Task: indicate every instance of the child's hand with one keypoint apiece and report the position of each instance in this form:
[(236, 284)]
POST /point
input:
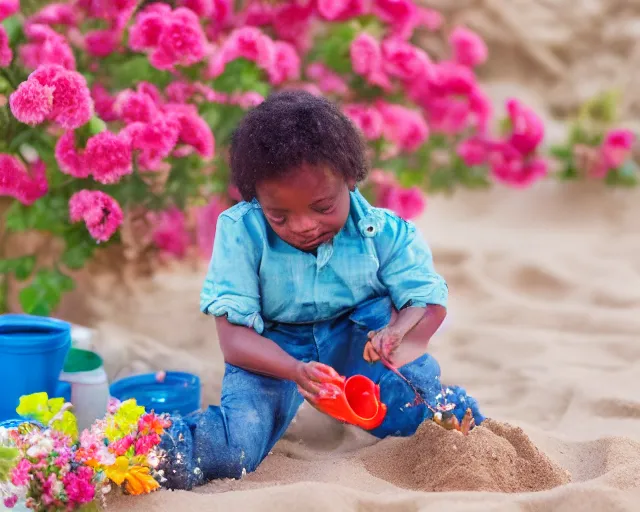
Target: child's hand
[(310, 378), (382, 344)]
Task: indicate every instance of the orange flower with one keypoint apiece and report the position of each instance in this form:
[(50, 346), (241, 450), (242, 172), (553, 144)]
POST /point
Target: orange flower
[(137, 479)]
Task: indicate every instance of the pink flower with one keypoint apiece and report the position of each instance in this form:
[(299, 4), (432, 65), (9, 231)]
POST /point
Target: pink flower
[(247, 42), (146, 443), (366, 60), (473, 151), (100, 212), (202, 8), (153, 141), (72, 103), (170, 234), (402, 15), (246, 100), (285, 65), (340, 10), (151, 423), (46, 47), (509, 166), (11, 501), (8, 8), (328, 81), (292, 22), (206, 219), (404, 60), (78, 485), (120, 446), (25, 186), (366, 118), (104, 103), (527, 129), (194, 131), (32, 102), (617, 147), (145, 33), (100, 43), (20, 473), (451, 99), (468, 47), (181, 41), (429, 18), (406, 203), (111, 10), (135, 106), (70, 160), (108, 157), (6, 55), (221, 19), (406, 128), (56, 14), (257, 14)]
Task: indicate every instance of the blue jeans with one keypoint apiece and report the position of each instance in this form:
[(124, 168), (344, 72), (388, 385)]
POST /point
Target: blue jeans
[(228, 440)]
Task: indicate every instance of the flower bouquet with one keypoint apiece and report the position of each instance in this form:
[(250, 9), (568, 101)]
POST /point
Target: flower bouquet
[(45, 461)]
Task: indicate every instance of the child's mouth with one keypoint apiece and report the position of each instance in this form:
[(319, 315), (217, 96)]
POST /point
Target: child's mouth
[(316, 242)]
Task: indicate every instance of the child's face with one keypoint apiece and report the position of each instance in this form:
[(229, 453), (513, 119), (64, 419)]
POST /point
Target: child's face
[(307, 207)]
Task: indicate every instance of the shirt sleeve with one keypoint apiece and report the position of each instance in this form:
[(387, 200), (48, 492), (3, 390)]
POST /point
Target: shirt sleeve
[(231, 287), (406, 266)]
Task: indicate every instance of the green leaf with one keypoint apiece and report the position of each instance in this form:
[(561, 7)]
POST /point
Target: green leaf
[(75, 257), (43, 295), (13, 27), (41, 408), (131, 69), (625, 176), (561, 152), (96, 125), (34, 301), (242, 75), (8, 460), (22, 267), (333, 48)]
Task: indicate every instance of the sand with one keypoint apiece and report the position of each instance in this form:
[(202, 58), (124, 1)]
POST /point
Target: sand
[(543, 329)]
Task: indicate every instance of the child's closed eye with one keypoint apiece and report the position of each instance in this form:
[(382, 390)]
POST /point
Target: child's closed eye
[(324, 208)]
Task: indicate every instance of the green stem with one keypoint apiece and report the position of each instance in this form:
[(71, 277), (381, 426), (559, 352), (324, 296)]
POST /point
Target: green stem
[(7, 76)]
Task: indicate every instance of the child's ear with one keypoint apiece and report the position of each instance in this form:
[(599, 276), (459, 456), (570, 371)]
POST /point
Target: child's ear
[(351, 183)]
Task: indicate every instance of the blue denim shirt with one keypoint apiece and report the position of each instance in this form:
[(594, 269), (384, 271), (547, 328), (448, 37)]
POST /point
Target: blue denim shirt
[(254, 276)]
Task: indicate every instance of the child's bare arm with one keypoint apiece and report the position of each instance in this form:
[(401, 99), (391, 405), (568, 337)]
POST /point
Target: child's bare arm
[(245, 348), (387, 340)]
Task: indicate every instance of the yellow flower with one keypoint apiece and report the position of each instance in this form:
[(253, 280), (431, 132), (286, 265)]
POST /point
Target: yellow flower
[(136, 479)]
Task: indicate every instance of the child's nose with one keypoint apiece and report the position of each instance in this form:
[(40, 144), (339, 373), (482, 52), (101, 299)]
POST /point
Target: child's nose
[(302, 225)]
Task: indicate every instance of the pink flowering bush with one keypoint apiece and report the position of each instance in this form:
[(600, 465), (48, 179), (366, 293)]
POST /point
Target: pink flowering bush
[(116, 111)]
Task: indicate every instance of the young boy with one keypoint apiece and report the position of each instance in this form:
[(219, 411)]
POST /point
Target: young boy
[(305, 273)]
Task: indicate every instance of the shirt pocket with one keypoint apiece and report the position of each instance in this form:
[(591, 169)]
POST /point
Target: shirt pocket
[(357, 265)]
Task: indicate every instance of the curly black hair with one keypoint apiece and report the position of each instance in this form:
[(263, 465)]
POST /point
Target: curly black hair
[(290, 129)]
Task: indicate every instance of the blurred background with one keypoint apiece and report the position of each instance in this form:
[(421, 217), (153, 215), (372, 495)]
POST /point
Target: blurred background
[(504, 129)]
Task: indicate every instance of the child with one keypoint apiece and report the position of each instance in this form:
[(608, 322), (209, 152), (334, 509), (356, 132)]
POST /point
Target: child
[(305, 273)]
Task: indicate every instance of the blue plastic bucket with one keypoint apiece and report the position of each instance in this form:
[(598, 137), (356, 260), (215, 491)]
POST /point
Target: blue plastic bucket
[(32, 353), (176, 393)]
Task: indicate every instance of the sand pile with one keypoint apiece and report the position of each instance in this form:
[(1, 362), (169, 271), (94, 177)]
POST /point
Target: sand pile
[(495, 457)]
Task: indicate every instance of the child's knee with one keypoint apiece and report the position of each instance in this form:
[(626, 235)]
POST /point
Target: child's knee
[(197, 450)]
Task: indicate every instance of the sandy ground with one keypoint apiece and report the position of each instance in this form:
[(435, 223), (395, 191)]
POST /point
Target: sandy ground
[(543, 329)]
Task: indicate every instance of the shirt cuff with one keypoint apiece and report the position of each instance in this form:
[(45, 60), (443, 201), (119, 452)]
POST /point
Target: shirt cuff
[(229, 309), (436, 293)]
